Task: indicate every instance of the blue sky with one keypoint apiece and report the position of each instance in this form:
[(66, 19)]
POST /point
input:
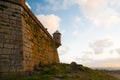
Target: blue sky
[(90, 29)]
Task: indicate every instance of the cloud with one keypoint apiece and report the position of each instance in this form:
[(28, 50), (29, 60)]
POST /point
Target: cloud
[(75, 33), (118, 50), (99, 45), (87, 56), (63, 49), (78, 22), (99, 12), (51, 22), (108, 18), (92, 60), (59, 4), (77, 25), (105, 63), (28, 5), (110, 63)]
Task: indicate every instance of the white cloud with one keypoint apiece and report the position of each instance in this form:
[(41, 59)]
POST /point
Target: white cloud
[(100, 12), (103, 60), (105, 63), (75, 33), (62, 4), (108, 18), (118, 50), (51, 22), (77, 24), (28, 5), (87, 57), (99, 45), (63, 50), (55, 5)]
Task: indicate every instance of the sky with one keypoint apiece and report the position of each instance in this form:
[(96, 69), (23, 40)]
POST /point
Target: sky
[(90, 29)]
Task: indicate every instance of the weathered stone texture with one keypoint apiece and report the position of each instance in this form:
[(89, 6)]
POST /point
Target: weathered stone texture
[(38, 46), (10, 35), (24, 42)]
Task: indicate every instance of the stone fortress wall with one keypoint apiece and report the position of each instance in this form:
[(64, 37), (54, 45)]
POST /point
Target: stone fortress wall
[(24, 42)]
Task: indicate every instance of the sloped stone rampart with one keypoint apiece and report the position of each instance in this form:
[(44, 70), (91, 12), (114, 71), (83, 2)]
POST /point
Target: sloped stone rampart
[(24, 41)]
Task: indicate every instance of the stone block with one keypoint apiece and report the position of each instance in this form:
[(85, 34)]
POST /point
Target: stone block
[(4, 24), (17, 52), (12, 69), (10, 36), (5, 62), (16, 46), (9, 46), (6, 18), (5, 31), (1, 45), (1, 51), (5, 56), (5, 68), (2, 36), (2, 40), (18, 62), (7, 51), (12, 21), (13, 62), (8, 41)]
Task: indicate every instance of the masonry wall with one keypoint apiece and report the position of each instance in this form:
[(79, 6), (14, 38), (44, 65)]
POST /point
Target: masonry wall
[(24, 42), (38, 44), (11, 45)]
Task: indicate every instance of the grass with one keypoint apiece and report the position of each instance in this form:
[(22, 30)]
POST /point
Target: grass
[(67, 72)]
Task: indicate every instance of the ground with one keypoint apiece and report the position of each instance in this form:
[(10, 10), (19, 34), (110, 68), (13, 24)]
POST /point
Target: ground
[(66, 72)]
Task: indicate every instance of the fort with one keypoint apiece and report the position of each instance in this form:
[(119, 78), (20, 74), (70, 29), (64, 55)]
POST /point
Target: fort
[(24, 41)]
